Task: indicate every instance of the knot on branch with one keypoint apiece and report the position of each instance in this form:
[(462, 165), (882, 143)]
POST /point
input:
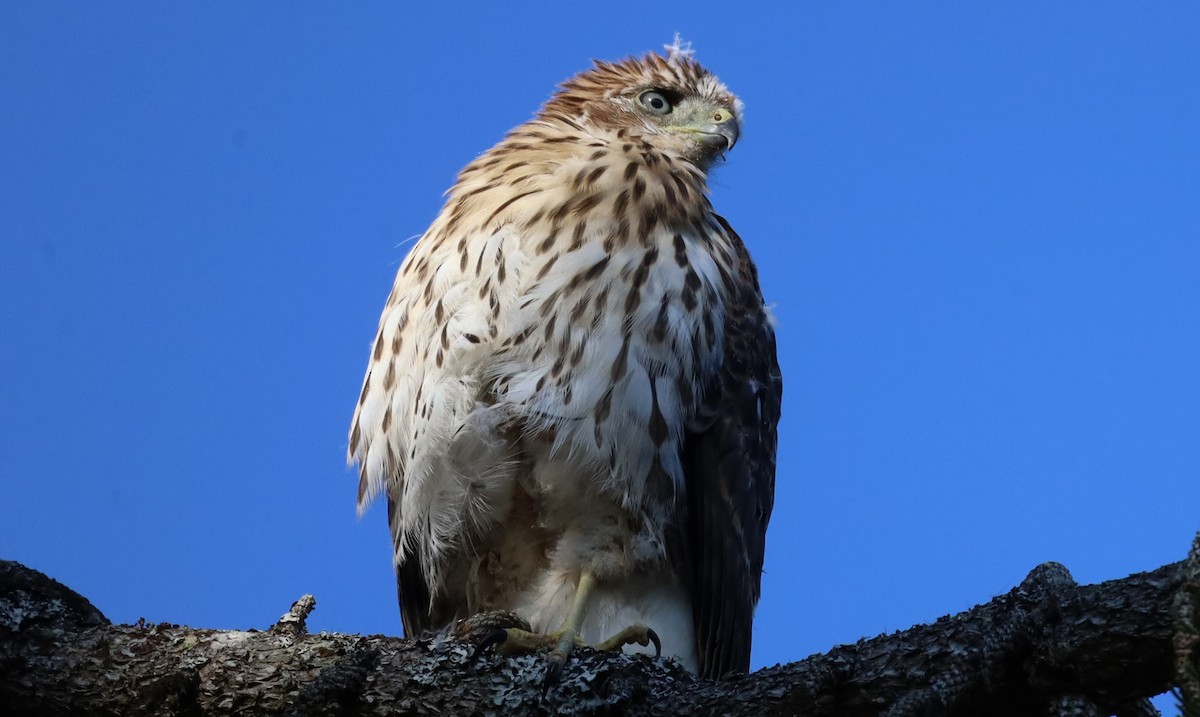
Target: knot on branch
[(1046, 578), (293, 622)]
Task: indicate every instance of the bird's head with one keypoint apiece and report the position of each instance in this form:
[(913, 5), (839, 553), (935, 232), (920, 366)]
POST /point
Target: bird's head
[(670, 101)]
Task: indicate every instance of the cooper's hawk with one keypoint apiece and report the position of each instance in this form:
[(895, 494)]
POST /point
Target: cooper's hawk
[(572, 398)]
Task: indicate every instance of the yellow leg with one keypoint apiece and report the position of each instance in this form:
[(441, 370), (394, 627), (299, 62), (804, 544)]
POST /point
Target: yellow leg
[(568, 634), (515, 640)]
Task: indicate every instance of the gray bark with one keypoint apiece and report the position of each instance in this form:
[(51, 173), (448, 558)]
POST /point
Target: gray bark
[(1048, 647)]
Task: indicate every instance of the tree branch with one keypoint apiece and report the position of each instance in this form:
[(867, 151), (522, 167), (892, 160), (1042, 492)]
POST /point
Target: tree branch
[(1047, 647)]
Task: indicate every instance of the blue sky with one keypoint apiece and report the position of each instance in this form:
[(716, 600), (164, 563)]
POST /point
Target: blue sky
[(978, 223)]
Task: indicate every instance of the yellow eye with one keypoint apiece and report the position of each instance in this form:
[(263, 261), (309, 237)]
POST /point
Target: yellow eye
[(654, 101)]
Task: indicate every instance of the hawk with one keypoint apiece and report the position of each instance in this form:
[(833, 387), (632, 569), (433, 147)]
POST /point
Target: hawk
[(572, 399)]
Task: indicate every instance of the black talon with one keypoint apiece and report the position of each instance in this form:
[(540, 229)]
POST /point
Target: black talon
[(657, 643), (496, 637), (554, 670)]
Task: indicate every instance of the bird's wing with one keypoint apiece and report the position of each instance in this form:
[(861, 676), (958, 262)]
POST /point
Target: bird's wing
[(420, 392), (729, 466), (412, 588)]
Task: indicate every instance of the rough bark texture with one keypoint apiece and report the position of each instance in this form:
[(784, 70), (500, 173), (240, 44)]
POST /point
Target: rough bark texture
[(1187, 635), (1048, 647)]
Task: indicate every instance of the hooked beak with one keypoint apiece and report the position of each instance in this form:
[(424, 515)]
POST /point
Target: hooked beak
[(720, 136)]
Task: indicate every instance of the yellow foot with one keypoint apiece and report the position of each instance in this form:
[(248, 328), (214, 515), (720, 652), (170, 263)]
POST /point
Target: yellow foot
[(476, 628), (516, 641), (516, 637), (632, 635), (510, 641)]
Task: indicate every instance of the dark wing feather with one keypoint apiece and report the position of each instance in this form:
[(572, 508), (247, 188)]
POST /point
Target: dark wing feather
[(729, 465), (412, 587), (423, 607)]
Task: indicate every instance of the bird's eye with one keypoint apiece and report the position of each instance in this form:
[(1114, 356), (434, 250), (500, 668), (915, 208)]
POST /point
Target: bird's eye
[(655, 101)]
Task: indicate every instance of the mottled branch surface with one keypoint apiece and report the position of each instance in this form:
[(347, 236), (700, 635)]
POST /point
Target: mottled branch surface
[(1047, 647)]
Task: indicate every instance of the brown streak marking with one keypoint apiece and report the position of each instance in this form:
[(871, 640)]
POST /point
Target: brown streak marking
[(601, 305), (658, 425), (603, 407), (622, 202), (595, 269), (689, 300), (618, 368), (639, 189), (582, 206), (577, 235), (646, 225), (506, 204), (669, 194), (560, 213), (577, 312), (547, 242), (683, 187), (595, 175), (546, 267), (650, 257), (660, 324)]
